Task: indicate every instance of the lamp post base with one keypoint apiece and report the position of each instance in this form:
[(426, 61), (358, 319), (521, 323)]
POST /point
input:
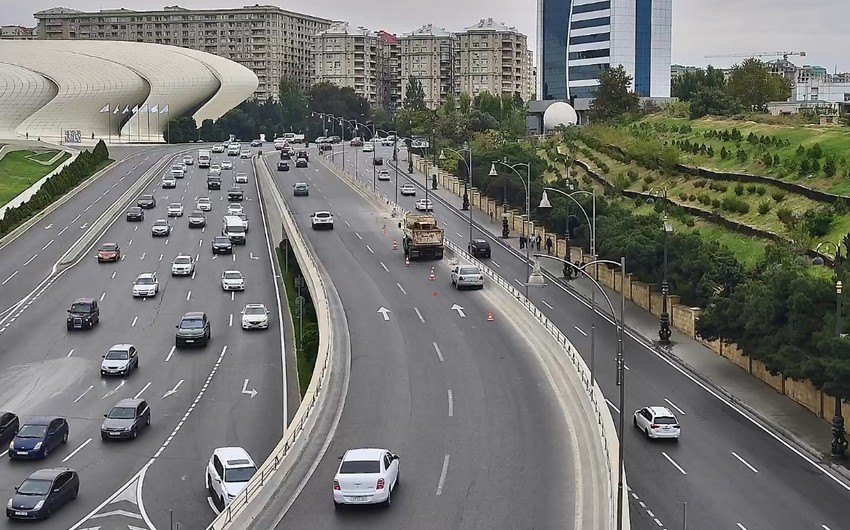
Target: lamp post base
[(665, 332), (839, 439), (465, 206)]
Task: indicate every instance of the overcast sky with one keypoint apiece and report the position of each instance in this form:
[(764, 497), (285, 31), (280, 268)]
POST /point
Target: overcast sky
[(700, 27)]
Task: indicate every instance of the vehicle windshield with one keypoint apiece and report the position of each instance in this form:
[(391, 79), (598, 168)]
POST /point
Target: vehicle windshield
[(192, 323), (117, 355), (236, 229), (122, 413), (323, 214), (146, 198), (175, 205), (222, 240), (35, 487), (664, 420), (469, 270), (108, 246), (32, 431), (183, 260), (80, 307), (360, 466), (144, 281), (233, 275), (197, 214), (239, 474), (255, 310), (203, 200), (160, 223), (135, 209)]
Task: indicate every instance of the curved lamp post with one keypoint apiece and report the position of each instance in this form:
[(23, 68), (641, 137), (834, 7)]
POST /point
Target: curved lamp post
[(591, 219), (468, 182), (838, 448), (526, 182), (664, 332)]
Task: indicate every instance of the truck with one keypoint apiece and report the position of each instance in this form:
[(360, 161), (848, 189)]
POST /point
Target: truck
[(204, 157), (423, 238)]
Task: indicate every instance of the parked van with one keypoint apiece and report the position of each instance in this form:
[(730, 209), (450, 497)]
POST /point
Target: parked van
[(234, 228)]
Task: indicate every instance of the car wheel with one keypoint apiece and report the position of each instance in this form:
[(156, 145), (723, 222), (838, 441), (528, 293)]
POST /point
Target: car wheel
[(148, 420), (337, 505), (646, 432), (45, 453), (135, 433), (209, 486)]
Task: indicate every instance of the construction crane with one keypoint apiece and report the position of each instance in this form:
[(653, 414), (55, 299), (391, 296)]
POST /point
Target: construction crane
[(759, 54)]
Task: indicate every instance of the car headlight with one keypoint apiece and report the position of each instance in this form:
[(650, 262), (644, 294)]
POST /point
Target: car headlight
[(38, 505), (12, 445), (9, 504), (128, 429), (37, 446)]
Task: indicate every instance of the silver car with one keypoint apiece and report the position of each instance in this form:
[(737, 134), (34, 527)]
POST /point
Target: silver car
[(467, 276), (121, 359)]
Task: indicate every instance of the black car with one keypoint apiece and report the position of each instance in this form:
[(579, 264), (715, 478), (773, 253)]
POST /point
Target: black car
[(378, 161), (126, 419), (479, 248), (325, 147), (134, 213), (9, 425), (285, 155), (303, 154), (42, 493), (222, 245), (197, 219), (193, 330), (235, 194), (147, 202), (83, 314), (283, 165), (301, 162), (213, 183)]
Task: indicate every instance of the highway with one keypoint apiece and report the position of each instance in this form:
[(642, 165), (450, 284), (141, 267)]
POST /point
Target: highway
[(731, 473), (198, 397), (459, 398)]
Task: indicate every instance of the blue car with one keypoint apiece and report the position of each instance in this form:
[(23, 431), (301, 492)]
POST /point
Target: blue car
[(37, 437)]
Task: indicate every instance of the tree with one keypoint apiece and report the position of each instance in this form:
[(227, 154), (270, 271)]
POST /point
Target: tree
[(210, 132), (712, 101), (688, 85), (237, 122), (613, 98), (181, 130), (414, 94), (753, 86), (293, 109)]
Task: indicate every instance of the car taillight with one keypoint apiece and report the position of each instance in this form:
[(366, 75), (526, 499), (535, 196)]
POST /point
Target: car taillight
[(336, 484), (380, 485), (653, 426)]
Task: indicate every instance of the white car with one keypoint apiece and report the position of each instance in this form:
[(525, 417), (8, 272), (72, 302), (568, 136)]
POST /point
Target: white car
[(470, 276), (245, 154), (160, 228), (226, 164), (366, 476), (121, 359), (241, 178), (228, 472), (169, 181), (322, 219), (204, 204), (368, 147), (387, 142), (244, 218), (188, 160), (218, 148), (383, 175), (424, 205), (178, 167), (232, 281), (408, 189), (234, 208), (175, 209), (657, 422), (183, 265), (146, 285), (214, 171), (255, 316)]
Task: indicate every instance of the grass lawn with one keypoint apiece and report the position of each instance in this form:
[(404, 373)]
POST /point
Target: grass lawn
[(305, 367), (43, 156), (17, 173)]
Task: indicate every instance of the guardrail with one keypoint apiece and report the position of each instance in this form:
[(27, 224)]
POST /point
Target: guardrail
[(311, 397)]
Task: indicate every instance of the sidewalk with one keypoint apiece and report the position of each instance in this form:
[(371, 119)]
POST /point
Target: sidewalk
[(774, 411)]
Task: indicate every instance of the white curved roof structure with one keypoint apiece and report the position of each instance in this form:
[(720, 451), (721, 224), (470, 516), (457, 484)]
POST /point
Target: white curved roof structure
[(112, 89)]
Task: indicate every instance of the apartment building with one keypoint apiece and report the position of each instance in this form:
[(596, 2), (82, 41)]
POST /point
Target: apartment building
[(430, 54), (392, 69), (272, 42), (352, 57), (494, 58), (17, 33)]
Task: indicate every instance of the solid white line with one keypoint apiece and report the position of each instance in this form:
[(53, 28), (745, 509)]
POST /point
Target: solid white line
[(370, 249), (677, 466), (547, 304), (9, 278), (580, 331), (754, 470), (421, 318), (135, 319), (84, 393), (682, 412), (496, 264), (358, 236), (439, 353), (384, 266), (401, 288), (189, 295), (612, 405), (742, 527), (27, 262), (170, 353), (443, 475), (70, 353), (451, 404), (230, 323), (77, 450), (142, 390)]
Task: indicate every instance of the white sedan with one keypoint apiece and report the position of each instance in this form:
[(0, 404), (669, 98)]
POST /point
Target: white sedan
[(145, 285), (424, 205), (255, 316), (408, 189), (234, 208), (368, 147), (232, 281), (241, 178), (214, 170), (226, 164), (383, 175), (204, 204), (366, 476), (470, 276), (175, 209), (169, 182), (183, 265)]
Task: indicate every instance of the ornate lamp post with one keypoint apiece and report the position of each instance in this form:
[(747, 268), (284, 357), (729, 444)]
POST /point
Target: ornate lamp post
[(665, 332), (526, 182), (467, 182)]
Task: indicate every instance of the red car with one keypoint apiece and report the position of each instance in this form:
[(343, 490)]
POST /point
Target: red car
[(357, 142), (108, 252)]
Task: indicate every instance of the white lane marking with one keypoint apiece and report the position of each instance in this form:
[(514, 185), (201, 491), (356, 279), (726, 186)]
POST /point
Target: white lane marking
[(166, 241), (173, 390), (170, 353), (160, 257), (193, 275), (102, 296), (74, 220), (612, 405), (77, 450), (234, 256), (97, 200), (47, 245), (677, 466), (9, 278), (200, 242), (358, 236), (346, 223), (384, 266), (62, 231), (70, 353), (114, 390), (130, 242), (83, 394), (27, 262), (230, 323), (123, 256), (519, 283), (459, 234), (451, 404), (439, 353), (421, 318), (496, 264), (88, 208), (742, 527), (232, 295), (822, 526), (142, 390), (682, 412), (443, 475), (400, 288), (580, 330), (197, 257), (143, 255), (754, 470), (370, 249), (189, 295), (135, 319), (113, 274), (550, 307)]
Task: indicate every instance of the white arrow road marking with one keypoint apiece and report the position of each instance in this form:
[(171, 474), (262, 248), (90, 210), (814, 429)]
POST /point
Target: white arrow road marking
[(77, 450), (48, 227), (421, 318), (30, 260), (143, 255), (459, 310), (253, 256), (215, 256), (83, 394), (170, 353), (385, 312), (173, 390), (142, 390), (245, 390), (9, 278), (125, 513), (84, 226), (114, 390)]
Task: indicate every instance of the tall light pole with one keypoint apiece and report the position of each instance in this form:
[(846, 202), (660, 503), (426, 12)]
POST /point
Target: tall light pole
[(527, 183), (664, 332), (838, 448), (467, 182), (537, 279)]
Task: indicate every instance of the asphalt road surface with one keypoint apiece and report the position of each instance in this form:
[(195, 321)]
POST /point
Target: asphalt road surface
[(731, 473), (196, 395)]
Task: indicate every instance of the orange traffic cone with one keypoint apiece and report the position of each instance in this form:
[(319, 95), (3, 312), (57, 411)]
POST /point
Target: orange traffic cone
[(395, 245), (406, 262), (431, 276), (489, 316)]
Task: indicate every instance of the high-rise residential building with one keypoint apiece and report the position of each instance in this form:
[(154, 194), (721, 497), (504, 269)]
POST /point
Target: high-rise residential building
[(392, 69), (493, 58), (351, 58), (579, 39), (430, 55), (17, 33), (272, 42)]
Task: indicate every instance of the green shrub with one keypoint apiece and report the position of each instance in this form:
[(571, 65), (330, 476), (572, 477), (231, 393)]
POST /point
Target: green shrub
[(785, 215), (716, 203), (818, 222), (778, 195), (739, 189), (734, 204), (689, 222), (683, 197), (704, 198), (649, 179), (751, 188), (830, 167), (700, 183), (761, 190), (764, 207), (692, 197), (644, 187), (815, 165)]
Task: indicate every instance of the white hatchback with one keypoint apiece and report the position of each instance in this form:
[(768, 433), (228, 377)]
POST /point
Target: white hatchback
[(383, 175), (234, 208), (408, 189), (424, 205), (657, 422), (183, 265), (175, 209), (366, 476), (228, 472), (204, 204), (232, 281), (323, 219), (241, 178)]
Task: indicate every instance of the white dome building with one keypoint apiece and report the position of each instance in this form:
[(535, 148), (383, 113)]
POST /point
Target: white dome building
[(557, 114), (112, 89)]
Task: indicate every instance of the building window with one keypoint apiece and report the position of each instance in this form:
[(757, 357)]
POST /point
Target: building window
[(590, 54), (587, 39), (591, 23), (590, 71), (589, 8)]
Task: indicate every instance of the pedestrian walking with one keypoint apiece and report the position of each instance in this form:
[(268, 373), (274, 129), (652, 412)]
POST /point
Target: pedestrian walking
[(521, 242), (539, 239), (549, 245), (491, 215)]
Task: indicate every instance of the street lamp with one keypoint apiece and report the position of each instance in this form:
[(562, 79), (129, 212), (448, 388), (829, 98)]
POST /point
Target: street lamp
[(838, 448), (468, 182), (526, 182), (664, 332), (538, 280), (591, 220)]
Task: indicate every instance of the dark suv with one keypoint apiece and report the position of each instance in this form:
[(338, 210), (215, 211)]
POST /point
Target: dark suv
[(213, 183), (135, 213), (83, 314), (222, 245), (283, 165), (479, 248), (193, 330), (235, 194)]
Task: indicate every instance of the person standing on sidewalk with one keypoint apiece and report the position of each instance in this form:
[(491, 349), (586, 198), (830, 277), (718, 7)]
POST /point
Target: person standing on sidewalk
[(539, 239), (522, 242), (548, 245)]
